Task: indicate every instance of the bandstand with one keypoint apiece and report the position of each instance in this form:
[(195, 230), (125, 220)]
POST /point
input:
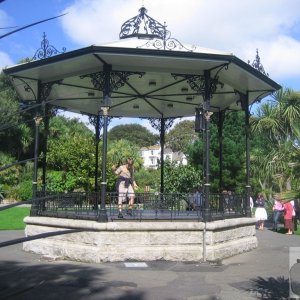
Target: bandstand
[(146, 74)]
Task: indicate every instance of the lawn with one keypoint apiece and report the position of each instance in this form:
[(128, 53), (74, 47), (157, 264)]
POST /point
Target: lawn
[(12, 218), (282, 230)]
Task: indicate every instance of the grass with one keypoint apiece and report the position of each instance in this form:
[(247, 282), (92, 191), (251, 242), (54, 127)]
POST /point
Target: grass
[(12, 218), (283, 230)]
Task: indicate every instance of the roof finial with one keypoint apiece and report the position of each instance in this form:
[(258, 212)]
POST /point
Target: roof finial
[(46, 50), (143, 26), (257, 64)]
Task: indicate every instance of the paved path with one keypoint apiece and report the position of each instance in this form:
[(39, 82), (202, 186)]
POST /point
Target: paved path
[(260, 274)]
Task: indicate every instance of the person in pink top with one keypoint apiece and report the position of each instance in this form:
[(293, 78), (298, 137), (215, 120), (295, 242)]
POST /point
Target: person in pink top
[(277, 211), (288, 217)]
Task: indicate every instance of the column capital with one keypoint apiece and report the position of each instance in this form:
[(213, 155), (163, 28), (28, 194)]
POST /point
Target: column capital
[(38, 120), (105, 110)]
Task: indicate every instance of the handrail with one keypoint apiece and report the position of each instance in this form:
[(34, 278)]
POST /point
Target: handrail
[(148, 206)]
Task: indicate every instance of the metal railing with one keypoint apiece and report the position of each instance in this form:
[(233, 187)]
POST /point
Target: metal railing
[(148, 206)]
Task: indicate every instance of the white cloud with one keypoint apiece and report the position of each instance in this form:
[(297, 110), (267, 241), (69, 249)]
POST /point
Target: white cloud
[(4, 60), (284, 57), (232, 26), (5, 19)]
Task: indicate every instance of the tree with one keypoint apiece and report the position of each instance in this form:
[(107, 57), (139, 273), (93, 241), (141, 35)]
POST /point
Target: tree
[(233, 153), (70, 157), (134, 133), (181, 136), (10, 119), (148, 177), (180, 178), (277, 123)]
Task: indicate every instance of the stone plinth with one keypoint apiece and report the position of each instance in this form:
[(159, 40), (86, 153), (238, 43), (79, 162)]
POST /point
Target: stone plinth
[(139, 241)]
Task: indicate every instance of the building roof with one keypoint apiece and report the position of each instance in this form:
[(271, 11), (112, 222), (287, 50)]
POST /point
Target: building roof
[(148, 77)]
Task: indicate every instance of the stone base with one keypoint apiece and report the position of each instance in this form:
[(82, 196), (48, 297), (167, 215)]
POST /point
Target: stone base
[(140, 241)]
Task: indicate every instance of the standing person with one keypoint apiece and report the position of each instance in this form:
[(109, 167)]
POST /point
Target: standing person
[(125, 186), (295, 205), (260, 212), (251, 205), (296, 217), (225, 200), (197, 199), (277, 211), (288, 217)]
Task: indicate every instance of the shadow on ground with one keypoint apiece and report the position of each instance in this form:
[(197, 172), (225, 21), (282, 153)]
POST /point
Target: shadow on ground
[(266, 288), (19, 281)]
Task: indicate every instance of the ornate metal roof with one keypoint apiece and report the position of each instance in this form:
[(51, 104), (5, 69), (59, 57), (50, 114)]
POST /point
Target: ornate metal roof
[(144, 80), (143, 26)]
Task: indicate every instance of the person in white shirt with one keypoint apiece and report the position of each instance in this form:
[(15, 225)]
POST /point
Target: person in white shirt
[(125, 186)]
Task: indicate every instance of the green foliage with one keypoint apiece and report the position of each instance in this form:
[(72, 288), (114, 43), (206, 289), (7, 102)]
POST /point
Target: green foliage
[(233, 153), (120, 150), (181, 179), (15, 134), (60, 182), (16, 181), (24, 190), (12, 218), (147, 177), (275, 159), (182, 135), (134, 133), (8, 176), (71, 151), (9, 106), (64, 127)]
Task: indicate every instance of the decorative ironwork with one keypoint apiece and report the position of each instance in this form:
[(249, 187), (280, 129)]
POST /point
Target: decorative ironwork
[(167, 44), (46, 50), (142, 22), (156, 123), (93, 121), (197, 83), (257, 64), (47, 87), (145, 27), (117, 79), (27, 87)]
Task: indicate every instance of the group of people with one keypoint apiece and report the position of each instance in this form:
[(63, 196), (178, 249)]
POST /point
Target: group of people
[(280, 208), (126, 185), (289, 210)]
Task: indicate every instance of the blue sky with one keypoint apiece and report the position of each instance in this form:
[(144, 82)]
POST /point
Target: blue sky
[(238, 27)]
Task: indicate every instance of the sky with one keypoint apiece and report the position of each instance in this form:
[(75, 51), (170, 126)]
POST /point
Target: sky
[(235, 26)]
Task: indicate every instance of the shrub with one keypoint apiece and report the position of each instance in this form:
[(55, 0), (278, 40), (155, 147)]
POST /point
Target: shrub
[(24, 190)]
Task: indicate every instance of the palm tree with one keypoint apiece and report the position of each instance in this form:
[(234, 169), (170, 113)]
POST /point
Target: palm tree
[(277, 124)]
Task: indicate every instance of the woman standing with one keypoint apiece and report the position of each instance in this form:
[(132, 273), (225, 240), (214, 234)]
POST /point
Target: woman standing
[(288, 217), (125, 186), (260, 212)]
